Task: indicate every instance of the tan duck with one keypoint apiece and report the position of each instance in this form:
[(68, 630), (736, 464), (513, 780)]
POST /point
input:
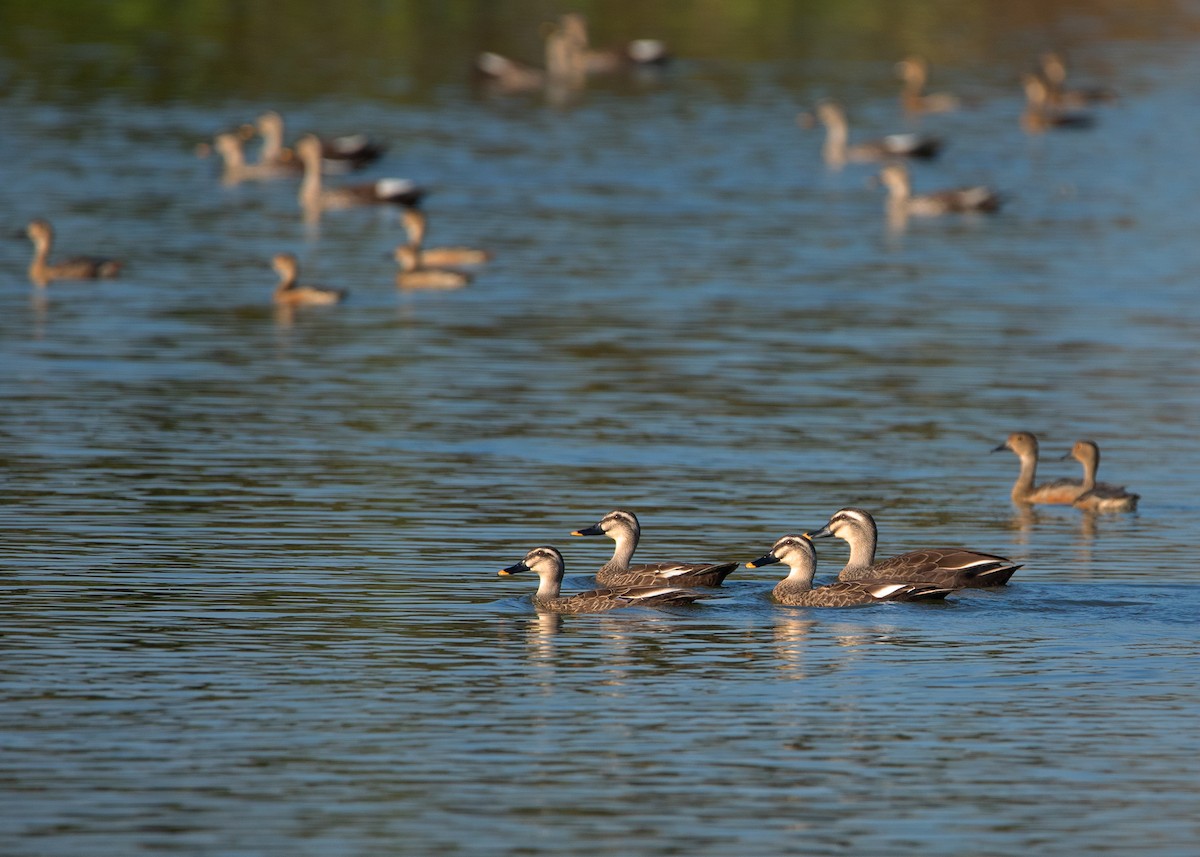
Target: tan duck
[(1025, 490), (838, 150), (414, 274), (573, 28), (42, 271), (951, 567), (796, 590), (903, 202), (338, 155), (415, 224), (914, 72), (229, 146), (1041, 114), (1098, 496), (623, 528), (314, 197), (289, 292), (547, 563), (1054, 73)]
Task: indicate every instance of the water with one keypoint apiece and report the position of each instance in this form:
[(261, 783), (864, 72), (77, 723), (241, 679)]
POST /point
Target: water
[(249, 560)]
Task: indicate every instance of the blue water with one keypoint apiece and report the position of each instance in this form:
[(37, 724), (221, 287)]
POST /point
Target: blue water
[(248, 560)]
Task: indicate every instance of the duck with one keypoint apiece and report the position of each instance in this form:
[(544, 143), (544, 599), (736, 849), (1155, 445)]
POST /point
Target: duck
[(1098, 496), (623, 528), (1041, 114), (507, 75), (1060, 492), (573, 27), (314, 198), (547, 563), (41, 272), (914, 72), (415, 224), (414, 274), (953, 567), (229, 146), (290, 293), (1054, 72), (903, 202), (796, 590), (837, 150), (338, 155)]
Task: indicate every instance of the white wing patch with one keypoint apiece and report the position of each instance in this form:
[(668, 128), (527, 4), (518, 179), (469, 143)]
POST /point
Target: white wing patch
[(884, 590)]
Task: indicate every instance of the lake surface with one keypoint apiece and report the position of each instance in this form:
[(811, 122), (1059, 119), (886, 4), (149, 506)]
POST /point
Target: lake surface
[(249, 560)]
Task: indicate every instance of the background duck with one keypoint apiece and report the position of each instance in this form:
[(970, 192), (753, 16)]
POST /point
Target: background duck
[(415, 225), (314, 197), (290, 293), (901, 199), (41, 271), (573, 27), (338, 155), (914, 72), (623, 528), (953, 567), (1098, 496), (1025, 446), (547, 563), (414, 274), (1054, 72), (1041, 114), (838, 151), (229, 146), (796, 590)]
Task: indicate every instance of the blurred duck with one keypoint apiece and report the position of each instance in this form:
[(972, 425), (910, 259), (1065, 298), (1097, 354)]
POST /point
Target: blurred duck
[(902, 201), (508, 75), (1054, 73), (1042, 115), (914, 72), (415, 224), (838, 151), (315, 198), (623, 528), (1025, 446), (547, 563), (290, 293), (1098, 496), (796, 590), (236, 171), (640, 52), (339, 155), (414, 274), (952, 567), (41, 271)]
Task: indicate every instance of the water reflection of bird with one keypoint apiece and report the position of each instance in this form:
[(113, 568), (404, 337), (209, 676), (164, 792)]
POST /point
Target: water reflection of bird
[(289, 292), (838, 150), (547, 563), (796, 590), (1025, 446), (903, 202), (1098, 496), (314, 197), (623, 528), (914, 72), (955, 567), (42, 271)]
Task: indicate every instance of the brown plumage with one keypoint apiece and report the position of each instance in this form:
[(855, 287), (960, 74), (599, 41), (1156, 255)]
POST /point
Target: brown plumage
[(290, 293), (416, 224), (953, 567), (902, 201), (415, 274), (338, 155), (314, 197), (1054, 72), (1043, 114), (547, 563), (838, 150), (42, 271), (796, 590), (236, 170), (1098, 496), (914, 72), (1061, 491), (623, 528)]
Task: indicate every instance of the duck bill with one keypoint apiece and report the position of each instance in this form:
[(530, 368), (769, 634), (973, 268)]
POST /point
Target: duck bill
[(1069, 454), (822, 533), (765, 559), (513, 569), (1001, 447), (593, 530)]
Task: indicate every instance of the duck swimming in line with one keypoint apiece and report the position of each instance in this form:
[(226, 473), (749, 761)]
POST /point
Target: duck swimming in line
[(415, 275), (41, 271), (902, 202), (415, 225), (623, 528), (547, 563), (796, 590), (837, 150), (951, 567), (1098, 496), (290, 293), (914, 72), (1060, 492), (315, 198)]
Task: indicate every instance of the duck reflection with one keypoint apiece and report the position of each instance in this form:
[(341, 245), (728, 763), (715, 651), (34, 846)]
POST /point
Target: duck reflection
[(791, 633)]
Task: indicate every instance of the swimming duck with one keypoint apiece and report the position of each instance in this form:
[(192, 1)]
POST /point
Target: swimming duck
[(1042, 115), (1098, 496), (290, 293), (415, 275), (914, 72), (415, 225), (41, 272), (573, 27), (229, 146), (547, 563), (314, 198), (508, 75), (953, 567), (1054, 72), (796, 590), (338, 155), (623, 528), (902, 201), (837, 150), (1061, 491)]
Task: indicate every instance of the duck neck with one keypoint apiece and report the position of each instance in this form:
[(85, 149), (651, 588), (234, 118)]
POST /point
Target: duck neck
[(272, 147), (862, 549), (37, 268), (800, 576), (624, 546), (310, 185), (1023, 487), (1090, 465), (836, 137), (549, 586)]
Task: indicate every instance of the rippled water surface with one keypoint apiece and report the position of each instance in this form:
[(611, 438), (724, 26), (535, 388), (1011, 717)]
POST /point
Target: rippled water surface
[(249, 560)]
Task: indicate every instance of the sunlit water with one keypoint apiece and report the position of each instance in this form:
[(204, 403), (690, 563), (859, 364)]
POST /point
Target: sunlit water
[(250, 601)]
